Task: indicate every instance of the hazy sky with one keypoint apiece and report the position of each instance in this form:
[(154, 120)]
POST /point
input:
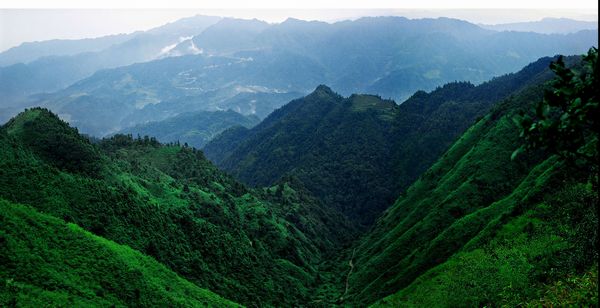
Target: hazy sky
[(23, 25)]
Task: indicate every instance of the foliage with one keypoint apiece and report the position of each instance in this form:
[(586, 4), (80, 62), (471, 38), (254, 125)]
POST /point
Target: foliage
[(56, 142), (528, 262), (574, 290), (45, 260), (566, 119), (194, 129), (170, 203), (357, 154), (475, 229)]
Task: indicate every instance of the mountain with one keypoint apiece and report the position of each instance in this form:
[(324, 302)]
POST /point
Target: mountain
[(256, 247), (546, 26), (359, 153), (388, 56), (111, 100), (129, 221), (31, 51), (195, 129), (55, 70), (229, 35), (479, 228), (46, 260)]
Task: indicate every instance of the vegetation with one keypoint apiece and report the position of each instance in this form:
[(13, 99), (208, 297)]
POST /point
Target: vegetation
[(357, 154), (167, 201), (541, 257), (478, 229), (128, 221), (45, 260), (565, 120), (194, 129)]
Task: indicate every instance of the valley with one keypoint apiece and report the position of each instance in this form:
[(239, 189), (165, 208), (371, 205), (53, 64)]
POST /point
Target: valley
[(228, 162)]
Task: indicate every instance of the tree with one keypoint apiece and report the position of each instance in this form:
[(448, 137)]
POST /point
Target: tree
[(566, 120)]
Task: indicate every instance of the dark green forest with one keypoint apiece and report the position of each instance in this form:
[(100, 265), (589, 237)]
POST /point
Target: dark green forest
[(469, 195), (359, 153)]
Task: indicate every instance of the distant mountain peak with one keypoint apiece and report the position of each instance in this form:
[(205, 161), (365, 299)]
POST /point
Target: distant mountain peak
[(323, 88), (323, 91), (230, 21), (293, 20)]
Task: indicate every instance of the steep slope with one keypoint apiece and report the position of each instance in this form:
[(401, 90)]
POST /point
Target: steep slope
[(358, 153), (311, 138), (195, 129), (45, 260), (476, 229), (257, 247)]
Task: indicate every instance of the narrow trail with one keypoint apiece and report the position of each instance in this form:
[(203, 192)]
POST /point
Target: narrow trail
[(351, 264)]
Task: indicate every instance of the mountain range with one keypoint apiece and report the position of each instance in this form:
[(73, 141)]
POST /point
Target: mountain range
[(381, 162), (194, 129), (52, 65), (546, 26), (473, 225), (358, 153), (256, 247), (253, 67)]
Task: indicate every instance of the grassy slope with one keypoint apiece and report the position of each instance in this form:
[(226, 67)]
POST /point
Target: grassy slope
[(45, 260), (458, 205), (540, 257), (172, 204)]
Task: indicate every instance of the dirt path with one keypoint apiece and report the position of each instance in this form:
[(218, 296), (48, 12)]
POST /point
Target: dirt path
[(351, 264)]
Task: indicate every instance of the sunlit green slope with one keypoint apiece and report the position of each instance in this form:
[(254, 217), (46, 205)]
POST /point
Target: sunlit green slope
[(479, 228), (256, 247), (45, 260)]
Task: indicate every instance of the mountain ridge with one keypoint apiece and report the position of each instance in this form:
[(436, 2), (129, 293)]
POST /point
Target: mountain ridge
[(470, 223), (170, 203), (391, 57), (376, 152), (195, 128)]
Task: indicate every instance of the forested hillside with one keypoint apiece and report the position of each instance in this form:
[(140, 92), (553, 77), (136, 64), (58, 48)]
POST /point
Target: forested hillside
[(481, 229), (464, 196), (256, 247), (359, 153), (46, 260), (195, 128)]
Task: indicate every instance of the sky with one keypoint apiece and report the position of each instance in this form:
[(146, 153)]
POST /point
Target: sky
[(34, 20)]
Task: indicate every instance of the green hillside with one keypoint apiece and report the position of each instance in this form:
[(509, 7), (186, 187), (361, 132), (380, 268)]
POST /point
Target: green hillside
[(45, 260), (495, 190), (256, 247), (480, 229), (357, 154)]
